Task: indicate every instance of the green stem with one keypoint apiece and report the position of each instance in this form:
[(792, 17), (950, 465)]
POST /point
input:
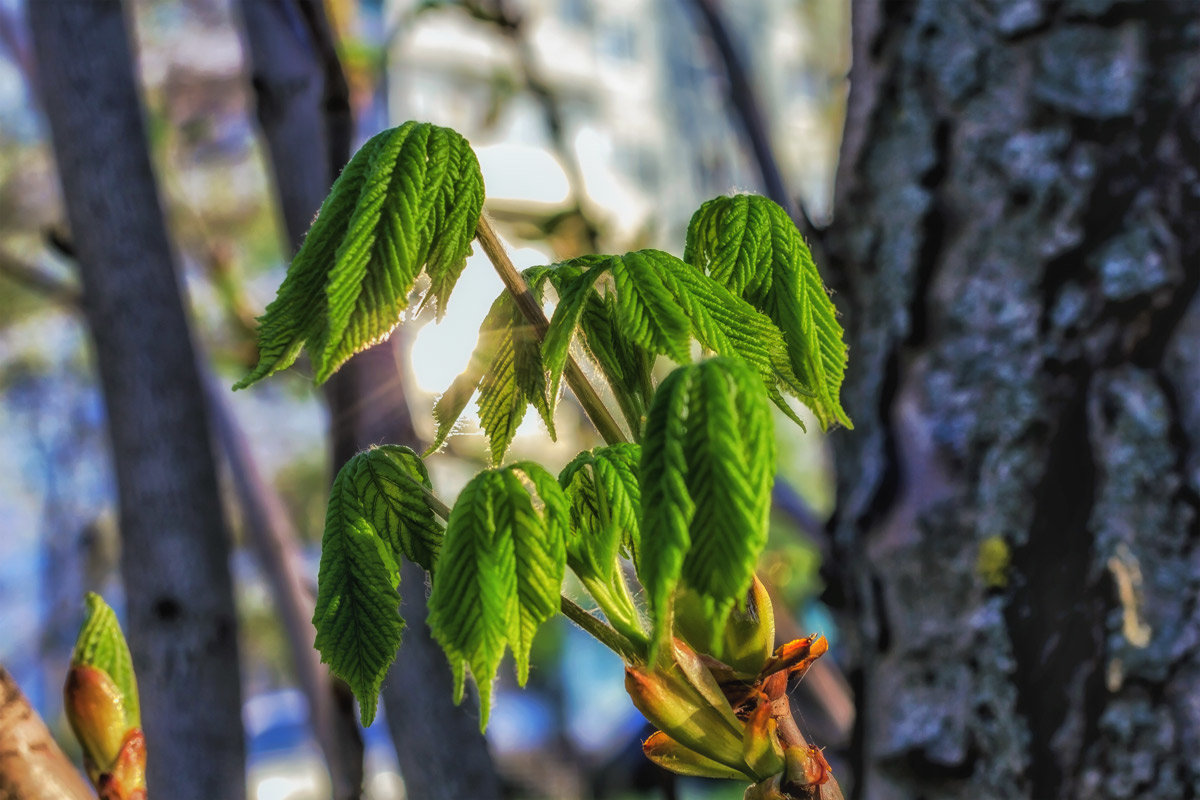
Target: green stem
[(593, 406), (602, 633)]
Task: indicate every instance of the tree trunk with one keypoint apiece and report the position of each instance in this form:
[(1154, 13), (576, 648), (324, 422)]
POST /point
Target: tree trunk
[(1015, 245), (304, 112), (175, 553)]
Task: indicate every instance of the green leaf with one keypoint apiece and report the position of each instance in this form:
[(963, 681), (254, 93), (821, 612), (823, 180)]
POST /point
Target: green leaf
[(667, 506), (539, 541), (506, 368), (730, 453), (625, 365), (729, 326), (296, 314), (475, 587), (750, 244), (409, 200), (646, 307), (605, 504), (708, 462), (388, 479), (574, 287), (101, 645), (357, 613), (501, 572)]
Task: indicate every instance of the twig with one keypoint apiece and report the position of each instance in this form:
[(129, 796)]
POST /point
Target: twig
[(603, 633), (745, 102), (38, 281), (584, 391)]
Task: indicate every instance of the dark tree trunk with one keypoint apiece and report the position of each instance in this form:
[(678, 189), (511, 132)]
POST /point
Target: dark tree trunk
[(175, 552), (304, 111), (1016, 244)]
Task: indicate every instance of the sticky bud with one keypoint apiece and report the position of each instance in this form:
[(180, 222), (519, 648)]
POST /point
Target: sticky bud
[(671, 755), (696, 716), (127, 781), (96, 710), (749, 636), (760, 747), (806, 766)]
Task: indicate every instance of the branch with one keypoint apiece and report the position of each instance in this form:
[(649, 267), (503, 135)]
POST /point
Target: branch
[(744, 100), (32, 767), (38, 281), (584, 391)]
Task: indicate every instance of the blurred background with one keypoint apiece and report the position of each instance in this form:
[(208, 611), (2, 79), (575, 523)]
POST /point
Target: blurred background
[(1003, 194), (599, 126)]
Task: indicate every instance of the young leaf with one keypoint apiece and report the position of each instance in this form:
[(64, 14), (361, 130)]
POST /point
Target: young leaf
[(501, 572), (409, 200), (708, 462), (539, 541), (506, 368), (646, 307), (296, 314), (667, 506), (605, 499), (730, 452), (474, 590), (749, 244), (357, 612), (101, 645), (388, 479), (575, 286)]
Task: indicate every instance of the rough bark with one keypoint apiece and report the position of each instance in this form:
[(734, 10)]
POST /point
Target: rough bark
[(32, 767), (304, 112), (175, 555), (1016, 251)]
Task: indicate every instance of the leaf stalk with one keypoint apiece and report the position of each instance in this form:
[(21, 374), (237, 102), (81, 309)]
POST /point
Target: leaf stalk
[(593, 406)]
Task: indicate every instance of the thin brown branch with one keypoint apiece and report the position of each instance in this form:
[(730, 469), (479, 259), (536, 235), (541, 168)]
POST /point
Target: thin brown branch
[(744, 100), (593, 406), (36, 280)]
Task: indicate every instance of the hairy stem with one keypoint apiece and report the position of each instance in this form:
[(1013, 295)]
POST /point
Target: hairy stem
[(604, 634), (584, 391)]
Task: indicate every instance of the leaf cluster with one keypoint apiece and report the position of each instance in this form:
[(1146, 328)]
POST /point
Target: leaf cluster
[(684, 507)]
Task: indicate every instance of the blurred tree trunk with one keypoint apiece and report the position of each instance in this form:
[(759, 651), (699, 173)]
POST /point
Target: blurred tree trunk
[(1016, 249), (175, 550), (305, 114)]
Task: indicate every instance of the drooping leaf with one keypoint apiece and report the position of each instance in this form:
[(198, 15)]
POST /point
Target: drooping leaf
[(707, 467), (474, 590), (506, 368), (409, 200), (296, 314), (387, 478), (500, 574), (749, 244), (625, 365), (357, 615), (101, 645), (646, 307), (574, 286), (605, 500), (539, 541), (729, 326)]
